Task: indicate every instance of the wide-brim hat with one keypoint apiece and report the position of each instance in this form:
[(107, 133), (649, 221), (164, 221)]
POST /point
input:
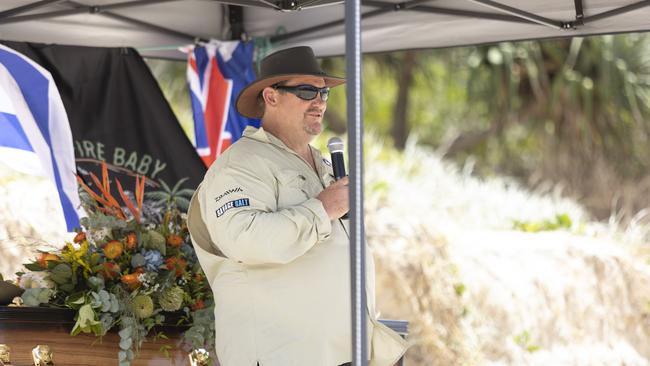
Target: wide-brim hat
[(277, 67)]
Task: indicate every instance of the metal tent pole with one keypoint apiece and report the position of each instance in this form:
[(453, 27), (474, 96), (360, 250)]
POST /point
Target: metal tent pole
[(355, 154)]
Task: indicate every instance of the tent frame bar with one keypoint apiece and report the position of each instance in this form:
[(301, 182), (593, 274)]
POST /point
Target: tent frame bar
[(25, 8), (387, 7), (618, 11), (92, 9), (446, 11), (79, 8), (520, 13), (513, 15)]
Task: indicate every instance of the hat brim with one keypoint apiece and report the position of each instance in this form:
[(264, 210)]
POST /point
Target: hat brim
[(247, 104)]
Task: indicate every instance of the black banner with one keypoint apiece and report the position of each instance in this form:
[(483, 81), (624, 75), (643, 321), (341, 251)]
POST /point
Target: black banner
[(118, 114)]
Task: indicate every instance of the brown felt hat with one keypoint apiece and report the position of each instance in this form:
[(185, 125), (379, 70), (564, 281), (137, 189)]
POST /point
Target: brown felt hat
[(278, 67)]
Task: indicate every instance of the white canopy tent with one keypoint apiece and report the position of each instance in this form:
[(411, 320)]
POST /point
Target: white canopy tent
[(331, 27), (158, 27)]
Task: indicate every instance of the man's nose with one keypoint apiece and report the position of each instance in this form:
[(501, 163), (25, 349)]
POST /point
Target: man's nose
[(318, 101)]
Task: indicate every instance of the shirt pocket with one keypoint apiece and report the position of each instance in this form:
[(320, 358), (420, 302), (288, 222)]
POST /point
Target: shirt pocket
[(292, 188)]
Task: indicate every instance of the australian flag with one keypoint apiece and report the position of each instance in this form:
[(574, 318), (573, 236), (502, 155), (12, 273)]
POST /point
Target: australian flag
[(216, 73)]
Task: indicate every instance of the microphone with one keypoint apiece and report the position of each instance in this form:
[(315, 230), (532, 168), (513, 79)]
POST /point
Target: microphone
[(335, 146)]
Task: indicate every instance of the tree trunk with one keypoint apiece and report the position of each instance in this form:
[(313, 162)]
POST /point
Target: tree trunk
[(400, 128)]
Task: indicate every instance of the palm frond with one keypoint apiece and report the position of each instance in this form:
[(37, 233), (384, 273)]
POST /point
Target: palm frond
[(185, 192), (178, 185)]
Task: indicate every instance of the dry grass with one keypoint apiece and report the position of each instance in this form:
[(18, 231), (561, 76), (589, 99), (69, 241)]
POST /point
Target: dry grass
[(475, 292)]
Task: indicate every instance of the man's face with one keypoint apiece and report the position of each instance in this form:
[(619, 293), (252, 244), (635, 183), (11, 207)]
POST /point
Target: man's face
[(305, 115)]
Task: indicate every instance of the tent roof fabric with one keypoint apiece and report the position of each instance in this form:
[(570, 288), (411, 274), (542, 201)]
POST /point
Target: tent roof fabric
[(158, 27)]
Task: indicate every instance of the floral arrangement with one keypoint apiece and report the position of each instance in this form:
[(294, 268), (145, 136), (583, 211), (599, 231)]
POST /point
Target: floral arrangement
[(127, 268)]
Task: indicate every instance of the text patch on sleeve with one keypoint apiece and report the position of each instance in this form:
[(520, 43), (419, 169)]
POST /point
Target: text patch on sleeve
[(242, 202)]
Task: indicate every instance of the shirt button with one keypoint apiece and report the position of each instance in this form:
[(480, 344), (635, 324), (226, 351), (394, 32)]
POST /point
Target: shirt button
[(302, 177)]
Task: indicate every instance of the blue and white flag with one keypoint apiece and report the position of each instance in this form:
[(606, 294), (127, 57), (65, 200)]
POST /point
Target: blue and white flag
[(36, 136)]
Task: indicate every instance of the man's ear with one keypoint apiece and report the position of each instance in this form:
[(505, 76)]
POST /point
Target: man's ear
[(270, 96)]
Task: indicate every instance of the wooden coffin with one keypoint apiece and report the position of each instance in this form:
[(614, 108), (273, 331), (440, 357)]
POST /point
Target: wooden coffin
[(23, 328)]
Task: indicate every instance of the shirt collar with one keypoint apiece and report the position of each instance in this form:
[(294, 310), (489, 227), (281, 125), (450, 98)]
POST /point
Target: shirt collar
[(259, 134)]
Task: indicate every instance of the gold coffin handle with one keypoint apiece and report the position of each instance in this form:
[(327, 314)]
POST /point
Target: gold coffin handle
[(5, 355), (42, 355), (199, 357)]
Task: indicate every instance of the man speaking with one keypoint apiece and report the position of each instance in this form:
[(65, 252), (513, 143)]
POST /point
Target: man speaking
[(267, 219)]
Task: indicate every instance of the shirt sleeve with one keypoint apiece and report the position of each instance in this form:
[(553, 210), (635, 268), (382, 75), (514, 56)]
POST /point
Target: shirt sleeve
[(242, 217)]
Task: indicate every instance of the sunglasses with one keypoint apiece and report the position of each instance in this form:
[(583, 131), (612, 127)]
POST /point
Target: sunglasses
[(305, 91)]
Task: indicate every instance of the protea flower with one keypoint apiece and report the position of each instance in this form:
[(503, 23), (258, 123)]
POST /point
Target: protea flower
[(44, 258), (131, 280), (198, 305), (171, 299), (80, 237), (176, 264), (142, 306), (109, 270), (131, 241), (113, 249), (174, 240)]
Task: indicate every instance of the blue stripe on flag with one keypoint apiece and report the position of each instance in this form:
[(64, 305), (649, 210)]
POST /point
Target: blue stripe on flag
[(202, 60), (35, 89), (13, 134), (200, 134), (240, 69)]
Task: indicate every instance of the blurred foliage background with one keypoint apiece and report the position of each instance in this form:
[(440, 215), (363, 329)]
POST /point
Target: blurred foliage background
[(568, 113)]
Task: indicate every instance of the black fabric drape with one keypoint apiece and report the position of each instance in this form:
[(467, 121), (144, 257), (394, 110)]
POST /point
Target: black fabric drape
[(118, 114)]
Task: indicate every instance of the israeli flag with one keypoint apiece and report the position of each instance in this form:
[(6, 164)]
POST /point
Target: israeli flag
[(35, 133)]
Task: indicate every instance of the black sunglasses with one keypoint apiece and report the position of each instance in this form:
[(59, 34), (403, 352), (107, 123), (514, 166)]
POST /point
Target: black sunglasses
[(306, 91)]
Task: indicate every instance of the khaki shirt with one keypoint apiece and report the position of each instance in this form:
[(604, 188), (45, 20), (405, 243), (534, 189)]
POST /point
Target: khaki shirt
[(277, 265)]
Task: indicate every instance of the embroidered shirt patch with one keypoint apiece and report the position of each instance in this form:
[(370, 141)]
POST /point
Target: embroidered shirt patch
[(242, 202)]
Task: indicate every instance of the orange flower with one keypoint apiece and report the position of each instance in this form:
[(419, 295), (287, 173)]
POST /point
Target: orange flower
[(131, 280), (80, 237), (44, 258), (131, 241), (109, 270), (198, 305), (113, 249), (174, 240), (176, 264)]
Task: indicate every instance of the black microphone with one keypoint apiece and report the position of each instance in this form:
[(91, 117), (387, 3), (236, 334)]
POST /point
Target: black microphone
[(335, 146)]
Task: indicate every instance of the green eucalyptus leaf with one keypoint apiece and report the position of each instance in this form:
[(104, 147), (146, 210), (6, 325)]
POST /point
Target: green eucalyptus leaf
[(68, 288), (126, 332), (95, 282), (61, 273), (126, 343), (33, 267)]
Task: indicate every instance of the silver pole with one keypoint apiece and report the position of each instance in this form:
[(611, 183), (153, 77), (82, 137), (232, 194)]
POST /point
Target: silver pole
[(355, 155)]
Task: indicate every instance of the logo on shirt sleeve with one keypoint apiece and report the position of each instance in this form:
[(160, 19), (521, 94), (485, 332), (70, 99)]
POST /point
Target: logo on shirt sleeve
[(227, 192), (242, 202)]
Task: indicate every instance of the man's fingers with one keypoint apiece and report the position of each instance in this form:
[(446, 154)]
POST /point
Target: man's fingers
[(345, 181)]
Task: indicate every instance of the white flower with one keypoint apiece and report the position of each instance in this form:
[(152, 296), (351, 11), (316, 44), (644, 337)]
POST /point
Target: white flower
[(99, 234), (35, 280)]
